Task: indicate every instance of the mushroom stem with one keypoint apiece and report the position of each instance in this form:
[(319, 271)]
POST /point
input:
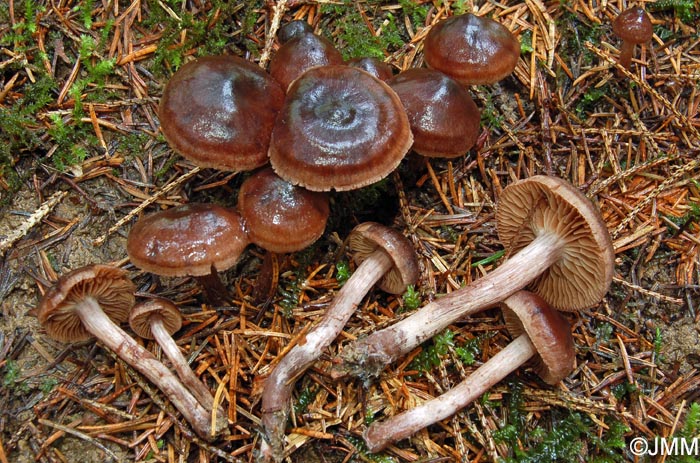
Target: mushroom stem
[(198, 389), (278, 386), (215, 291), (103, 328), (368, 356), (626, 51), (380, 434)]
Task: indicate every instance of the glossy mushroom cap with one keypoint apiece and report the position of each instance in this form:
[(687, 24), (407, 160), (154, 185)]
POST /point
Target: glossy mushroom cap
[(377, 68), (300, 53), (187, 240), (108, 285), (368, 237), (141, 313), (340, 128), (218, 111), (444, 118), (583, 272), (471, 49), (281, 217), (633, 25), (293, 29), (548, 330)]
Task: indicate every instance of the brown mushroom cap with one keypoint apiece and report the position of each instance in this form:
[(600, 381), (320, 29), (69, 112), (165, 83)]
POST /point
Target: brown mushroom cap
[(370, 236), (581, 276), (444, 118), (293, 29), (141, 313), (633, 25), (108, 285), (300, 53), (548, 330), (374, 66), (187, 240), (340, 128), (218, 111), (279, 216), (471, 49)]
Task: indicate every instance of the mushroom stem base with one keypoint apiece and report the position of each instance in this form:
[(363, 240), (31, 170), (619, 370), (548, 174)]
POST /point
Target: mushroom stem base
[(380, 434)]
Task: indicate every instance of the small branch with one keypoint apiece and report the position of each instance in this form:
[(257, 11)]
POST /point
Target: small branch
[(32, 220)]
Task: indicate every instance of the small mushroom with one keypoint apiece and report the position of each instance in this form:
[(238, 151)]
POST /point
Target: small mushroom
[(281, 217), (384, 256), (190, 240), (218, 111), (88, 302), (340, 128), (444, 118), (293, 29), (558, 245), (634, 27), (471, 49), (539, 331), (158, 318), (302, 51)]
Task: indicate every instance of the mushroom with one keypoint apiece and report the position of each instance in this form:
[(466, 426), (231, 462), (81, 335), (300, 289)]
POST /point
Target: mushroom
[(293, 29), (539, 331), (374, 66), (471, 49), (301, 50), (340, 128), (88, 302), (218, 111), (558, 245), (634, 27), (281, 217), (444, 118), (190, 240), (158, 318), (384, 256)]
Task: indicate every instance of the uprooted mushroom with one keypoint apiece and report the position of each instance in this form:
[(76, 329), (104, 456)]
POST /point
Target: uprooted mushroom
[(558, 245)]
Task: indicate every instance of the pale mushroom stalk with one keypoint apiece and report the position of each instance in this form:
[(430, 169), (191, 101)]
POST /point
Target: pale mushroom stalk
[(366, 357), (103, 328), (559, 246), (380, 434), (182, 368), (540, 332), (384, 257)]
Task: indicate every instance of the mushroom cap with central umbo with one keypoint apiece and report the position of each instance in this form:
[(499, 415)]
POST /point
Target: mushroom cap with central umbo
[(218, 111), (340, 128), (187, 240), (633, 25), (108, 285), (444, 118), (471, 49), (542, 204)]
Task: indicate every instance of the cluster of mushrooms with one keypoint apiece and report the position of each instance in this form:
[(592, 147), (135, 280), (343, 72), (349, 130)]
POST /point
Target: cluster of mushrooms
[(325, 124)]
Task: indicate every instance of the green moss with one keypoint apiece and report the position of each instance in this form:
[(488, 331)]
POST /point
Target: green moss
[(305, 398), (342, 272), (411, 298), (688, 11), (437, 348)]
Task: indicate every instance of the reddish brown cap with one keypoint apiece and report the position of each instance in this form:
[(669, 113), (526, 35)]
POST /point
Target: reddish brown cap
[(633, 25), (548, 330), (219, 111), (444, 118), (371, 236), (542, 204), (340, 128), (471, 49), (142, 313), (187, 240), (279, 216), (300, 53), (293, 29), (374, 66), (108, 285)]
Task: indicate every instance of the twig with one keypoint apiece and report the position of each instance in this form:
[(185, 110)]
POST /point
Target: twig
[(32, 220), (68, 430), (277, 13)]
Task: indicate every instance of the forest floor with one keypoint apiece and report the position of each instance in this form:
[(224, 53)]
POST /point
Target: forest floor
[(80, 149)]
